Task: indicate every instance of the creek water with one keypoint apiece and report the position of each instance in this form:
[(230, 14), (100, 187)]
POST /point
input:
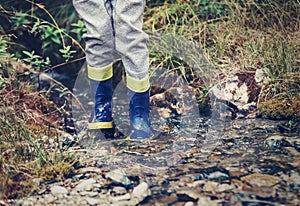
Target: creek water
[(212, 162), (196, 159)]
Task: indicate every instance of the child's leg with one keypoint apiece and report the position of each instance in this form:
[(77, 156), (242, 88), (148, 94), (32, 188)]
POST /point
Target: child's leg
[(99, 41), (130, 42)]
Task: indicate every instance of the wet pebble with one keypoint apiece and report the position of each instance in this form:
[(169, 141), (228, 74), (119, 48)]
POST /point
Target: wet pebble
[(217, 175), (89, 194), (58, 190), (85, 185), (141, 191), (120, 198), (118, 176)]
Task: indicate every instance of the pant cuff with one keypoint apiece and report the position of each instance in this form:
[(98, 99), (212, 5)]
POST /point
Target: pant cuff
[(138, 85), (100, 74)]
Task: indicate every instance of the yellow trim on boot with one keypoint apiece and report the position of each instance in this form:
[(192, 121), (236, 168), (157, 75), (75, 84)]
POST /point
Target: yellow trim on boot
[(138, 85), (100, 74), (100, 125)]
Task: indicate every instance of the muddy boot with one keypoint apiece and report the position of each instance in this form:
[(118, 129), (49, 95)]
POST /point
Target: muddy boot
[(139, 115)]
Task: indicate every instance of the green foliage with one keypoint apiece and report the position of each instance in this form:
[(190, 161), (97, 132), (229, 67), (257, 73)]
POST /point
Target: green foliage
[(4, 42), (67, 53), (78, 28), (24, 138), (42, 37), (36, 61), (234, 33)]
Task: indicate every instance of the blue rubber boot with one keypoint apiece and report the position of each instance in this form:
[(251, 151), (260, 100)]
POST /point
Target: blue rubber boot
[(101, 125), (139, 115), (102, 94)]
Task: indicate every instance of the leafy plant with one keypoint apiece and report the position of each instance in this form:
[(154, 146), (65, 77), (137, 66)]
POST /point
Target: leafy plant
[(67, 53), (49, 39), (4, 42), (36, 61)]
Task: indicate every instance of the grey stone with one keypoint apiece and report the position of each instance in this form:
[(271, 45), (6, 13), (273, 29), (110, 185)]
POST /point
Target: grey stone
[(58, 190), (141, 191), (217, 175), (93, 201), (86, 185), (118, 176)]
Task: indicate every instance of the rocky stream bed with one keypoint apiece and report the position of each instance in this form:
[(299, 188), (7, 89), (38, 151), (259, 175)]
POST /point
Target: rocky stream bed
[(252, 162), (191, 160)]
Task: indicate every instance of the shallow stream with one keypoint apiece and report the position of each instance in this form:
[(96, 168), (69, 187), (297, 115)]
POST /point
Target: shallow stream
[(191, 160)]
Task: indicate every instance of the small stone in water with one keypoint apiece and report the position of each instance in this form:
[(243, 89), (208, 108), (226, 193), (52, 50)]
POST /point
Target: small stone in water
[(217, 175), (120, 198)]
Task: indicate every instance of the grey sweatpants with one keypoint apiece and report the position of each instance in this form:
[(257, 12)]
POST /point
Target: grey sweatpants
[(114, 31)]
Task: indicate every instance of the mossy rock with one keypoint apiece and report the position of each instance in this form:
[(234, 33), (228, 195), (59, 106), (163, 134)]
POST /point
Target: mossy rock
[(281, 108)]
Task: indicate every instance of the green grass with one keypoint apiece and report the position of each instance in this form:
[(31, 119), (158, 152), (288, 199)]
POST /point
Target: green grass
[(244, 34), (235, 35), (30, 141)]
